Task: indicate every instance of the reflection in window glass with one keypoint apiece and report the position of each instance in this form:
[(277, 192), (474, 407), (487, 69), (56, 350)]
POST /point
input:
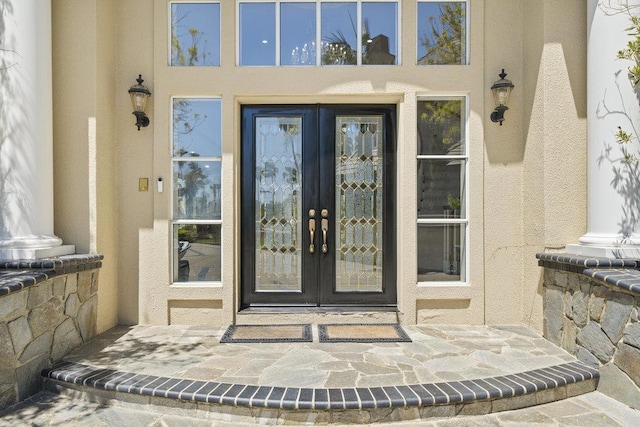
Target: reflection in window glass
[(441, 126), (297, 34), (441, 252), (338, 29), (195, 34), (379, 44), (441, 33), (441, 189), (196, 190), (197, 127), (196, 252), (257, 34)]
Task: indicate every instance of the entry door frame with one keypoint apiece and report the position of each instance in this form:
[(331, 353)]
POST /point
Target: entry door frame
[(320, 189)]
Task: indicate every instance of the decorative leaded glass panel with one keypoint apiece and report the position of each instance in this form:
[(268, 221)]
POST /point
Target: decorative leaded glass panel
[(278, 207), (359, 196)]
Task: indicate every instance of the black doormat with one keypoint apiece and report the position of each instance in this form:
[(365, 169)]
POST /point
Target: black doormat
[(267, 333), (361, 332)]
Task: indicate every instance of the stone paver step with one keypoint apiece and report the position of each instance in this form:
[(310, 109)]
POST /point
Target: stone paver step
[(50, 409), (502, 392), (444, 371)]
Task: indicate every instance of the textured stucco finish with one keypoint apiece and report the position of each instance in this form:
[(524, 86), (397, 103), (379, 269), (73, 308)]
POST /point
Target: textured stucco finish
[(526, 178)]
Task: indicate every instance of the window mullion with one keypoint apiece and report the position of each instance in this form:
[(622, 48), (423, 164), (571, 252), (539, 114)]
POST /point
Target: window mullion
[(318, 33), (359, 33), (278, 29)]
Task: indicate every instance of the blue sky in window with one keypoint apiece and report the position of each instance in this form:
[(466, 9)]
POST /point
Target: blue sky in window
[(427, 10), (204, 18), (197, 127), (298, 29), (258, 35)]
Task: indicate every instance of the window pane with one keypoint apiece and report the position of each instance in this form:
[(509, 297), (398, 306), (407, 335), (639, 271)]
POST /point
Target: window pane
[(196, 127), (441, 251), (339, 22), (379, 33), (196, 190), (441, 127), (196, 252), (298, 34), (195, 34), (441, 188), (441, 33), (257, 33)]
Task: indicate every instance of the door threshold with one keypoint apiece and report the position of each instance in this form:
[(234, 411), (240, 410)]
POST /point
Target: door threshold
[(318, 315), (324, 309)]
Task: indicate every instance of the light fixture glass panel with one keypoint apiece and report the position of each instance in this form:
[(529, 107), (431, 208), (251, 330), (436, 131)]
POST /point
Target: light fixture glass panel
[(297, 34), (379, 32), (441, 127), (338, 30), (441, 252), (501, 95), (195, 34), (197, 127), (139, 100), (197, 252), (442, 33), (197, 190), (257, 34)]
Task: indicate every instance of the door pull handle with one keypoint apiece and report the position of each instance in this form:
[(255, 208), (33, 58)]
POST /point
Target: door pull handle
[(312, 230), (325, 228)]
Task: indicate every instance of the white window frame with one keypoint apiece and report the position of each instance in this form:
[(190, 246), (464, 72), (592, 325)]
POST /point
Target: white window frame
[(464, 157), (169, 35), (175, 221), (319, 3), (467, 28)]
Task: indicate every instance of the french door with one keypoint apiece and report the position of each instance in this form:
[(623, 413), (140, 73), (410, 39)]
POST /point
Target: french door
[(318, 200)]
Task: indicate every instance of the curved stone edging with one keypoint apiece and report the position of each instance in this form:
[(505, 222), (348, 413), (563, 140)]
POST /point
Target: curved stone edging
[(294, 398)]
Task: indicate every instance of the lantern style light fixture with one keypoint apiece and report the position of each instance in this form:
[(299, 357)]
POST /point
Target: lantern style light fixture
[(139, 95), (501, 90)]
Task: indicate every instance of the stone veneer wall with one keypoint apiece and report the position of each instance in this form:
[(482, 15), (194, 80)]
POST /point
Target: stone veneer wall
[(47, 309), (591, 309)]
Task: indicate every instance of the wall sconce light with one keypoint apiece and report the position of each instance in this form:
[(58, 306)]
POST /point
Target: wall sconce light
[(139, 95), (501, 90)]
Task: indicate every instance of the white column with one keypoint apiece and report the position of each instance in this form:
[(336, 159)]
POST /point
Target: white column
[(26, 132), (613, 198)]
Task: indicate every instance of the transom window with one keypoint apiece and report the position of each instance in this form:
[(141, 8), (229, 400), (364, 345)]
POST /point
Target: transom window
[(442, 32), (194, 33), (317, 32), (441, 193)]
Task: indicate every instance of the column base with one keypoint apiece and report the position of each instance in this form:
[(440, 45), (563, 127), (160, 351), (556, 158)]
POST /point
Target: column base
[(28, 253), (618, 252)]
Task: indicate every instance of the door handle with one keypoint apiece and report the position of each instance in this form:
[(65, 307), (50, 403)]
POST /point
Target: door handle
[(312, 230), (325, 227)]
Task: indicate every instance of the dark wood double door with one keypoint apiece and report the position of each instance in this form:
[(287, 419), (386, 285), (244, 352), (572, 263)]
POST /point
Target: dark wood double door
[(318, 205)]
